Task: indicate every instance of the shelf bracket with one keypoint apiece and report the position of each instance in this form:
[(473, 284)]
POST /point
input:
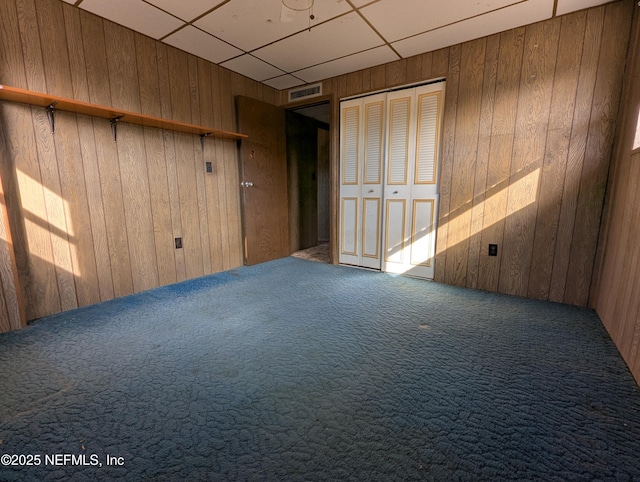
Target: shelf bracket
[(50, 109), (114, 123), (202, 138)]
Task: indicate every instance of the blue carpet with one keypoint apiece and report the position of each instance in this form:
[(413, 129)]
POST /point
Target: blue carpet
[(295, 370)]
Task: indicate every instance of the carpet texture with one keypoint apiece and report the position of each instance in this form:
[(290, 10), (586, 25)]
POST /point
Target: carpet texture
[(295, 370)]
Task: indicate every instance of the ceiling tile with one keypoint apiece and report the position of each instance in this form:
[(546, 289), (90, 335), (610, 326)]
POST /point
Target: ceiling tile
[(362, 60), (186, 10), (134, 14), (250, 24), (362, 3), (283, 82), (199, 43), (342, 36), (568, 6), (515, 16), (251, 67), (398, 19)]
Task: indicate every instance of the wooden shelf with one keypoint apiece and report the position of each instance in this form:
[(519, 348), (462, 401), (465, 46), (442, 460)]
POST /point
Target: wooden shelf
[(60, 103)]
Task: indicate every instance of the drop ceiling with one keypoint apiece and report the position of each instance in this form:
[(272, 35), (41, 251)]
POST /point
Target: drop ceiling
[(282, 48)]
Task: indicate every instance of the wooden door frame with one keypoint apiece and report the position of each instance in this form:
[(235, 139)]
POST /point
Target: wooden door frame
[(334, 164)]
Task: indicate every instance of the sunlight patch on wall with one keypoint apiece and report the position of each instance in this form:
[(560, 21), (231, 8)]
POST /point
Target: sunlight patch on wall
[(48, 227), (516, 196), (636, 141)]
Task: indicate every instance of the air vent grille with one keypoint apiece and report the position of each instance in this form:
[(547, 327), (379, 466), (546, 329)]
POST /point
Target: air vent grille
[(305, 92)]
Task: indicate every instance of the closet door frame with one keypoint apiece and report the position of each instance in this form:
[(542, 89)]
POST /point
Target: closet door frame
[(401, 203)]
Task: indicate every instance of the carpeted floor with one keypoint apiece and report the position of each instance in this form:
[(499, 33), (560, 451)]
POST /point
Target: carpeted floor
[(295, 370)]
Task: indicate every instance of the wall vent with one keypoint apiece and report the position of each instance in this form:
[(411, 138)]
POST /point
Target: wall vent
[(305, 92)]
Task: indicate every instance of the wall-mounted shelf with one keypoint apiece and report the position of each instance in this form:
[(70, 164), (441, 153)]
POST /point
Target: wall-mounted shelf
[(52, 103)]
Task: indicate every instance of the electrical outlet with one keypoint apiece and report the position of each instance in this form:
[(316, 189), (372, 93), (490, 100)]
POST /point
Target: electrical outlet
[(493, 250), (178, 243), (208, 166)]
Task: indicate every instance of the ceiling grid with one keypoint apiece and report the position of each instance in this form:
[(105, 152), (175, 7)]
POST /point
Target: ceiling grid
[(267, 42)]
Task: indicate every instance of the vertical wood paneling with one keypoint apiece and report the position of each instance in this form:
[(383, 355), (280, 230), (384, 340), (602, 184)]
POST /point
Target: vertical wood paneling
[(125, 93), (94, 219), (198, 166), (427, 65), (209, 155), (68, 154), (440, 65), (617, 293), (232, 179), (89, 158), (577, 145), (472, 58), (526, 141), (149, 85), (396, 72), (534, 103), (484, 144), (604, 110), (170, 156), (447, 160), (28, 224), (107, 154), (555, 158), (378, 78), (414, 68), (48, 164), (366, 80), (12, 314), (354, 82), (185, 163), (220, 170)]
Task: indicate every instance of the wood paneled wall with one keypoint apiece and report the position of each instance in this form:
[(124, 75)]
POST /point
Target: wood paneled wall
[(12, 314), (92, 219), (617, 292), (528, 132)]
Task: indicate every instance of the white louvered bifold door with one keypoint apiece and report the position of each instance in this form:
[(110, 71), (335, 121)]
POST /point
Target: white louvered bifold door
[(350, 167), (361, 166), (389, 153), (411, 189), (397, 190)]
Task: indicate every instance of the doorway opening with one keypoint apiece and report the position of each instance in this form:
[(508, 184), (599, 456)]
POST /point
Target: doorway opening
[(308, 172)]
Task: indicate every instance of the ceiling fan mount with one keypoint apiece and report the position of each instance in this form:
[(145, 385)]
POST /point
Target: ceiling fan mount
[(298, 5)]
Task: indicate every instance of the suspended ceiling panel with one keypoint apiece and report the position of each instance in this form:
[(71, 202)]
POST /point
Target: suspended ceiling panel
[(135, 14), (252, 67), (344, 65), (186, 10), (343, 36), (251, 24), (265, 41), (476, 27), (567, 6), (390, 19), (198, 43)]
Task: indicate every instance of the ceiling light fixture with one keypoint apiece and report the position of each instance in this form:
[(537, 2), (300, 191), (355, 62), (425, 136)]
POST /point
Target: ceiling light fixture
[(298, 5), (290, 7)]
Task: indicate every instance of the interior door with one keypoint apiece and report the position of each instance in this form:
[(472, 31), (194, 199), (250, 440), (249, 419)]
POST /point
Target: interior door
[(361, 160), (263, 161), (411, 189)]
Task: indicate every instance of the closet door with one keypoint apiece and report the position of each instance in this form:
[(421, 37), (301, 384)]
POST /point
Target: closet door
[(361, 160), (411, 189), (350, 160)]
